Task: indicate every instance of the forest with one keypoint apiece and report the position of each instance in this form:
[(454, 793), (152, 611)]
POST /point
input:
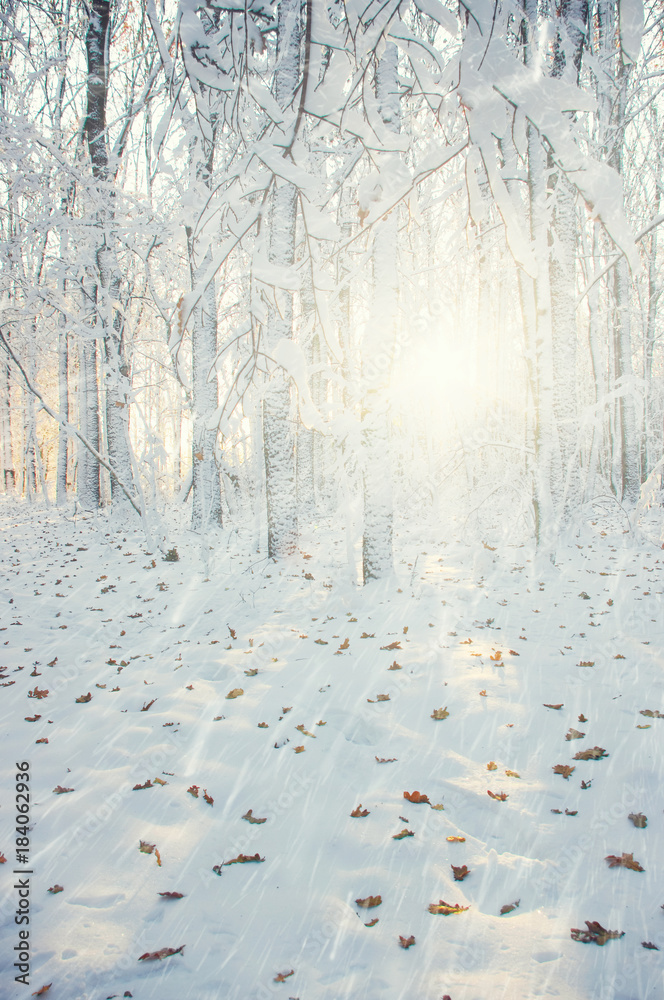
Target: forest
[(265, 265), (348, 307)]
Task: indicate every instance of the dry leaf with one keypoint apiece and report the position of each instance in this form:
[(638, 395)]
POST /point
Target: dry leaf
[(586, 784), (395, 666), (208, 798), (406, 942), (369, 902), (564, 769), (416, 797), (624, 861), (172, 895), (193, 790), (281, 977), (639, 820), (84, 698), (43, 989), (252, 672), (44, 739), (386, 760), (235, 693), (498, 656), (392, 645), (157, 856), (56, 888), (492, 766), (148, 784), (594, 753), (404, 833), (263, 725), (595, 934), (151, 956), (321, 642), (460, 872), (554, 706), (243, 859), (359, 811), (37, 693), (650, 945), (59, 790), (508, 907), (574, 734), (372, 923), (483, 694), (582, 718), (586, 663), (445, 909), (159, 781), (440, 713), (379, 697), (253, 819), (502, 796), (512, 774), (345, 644), (299, 749), (456, 840), (145, 848), (147, 705)]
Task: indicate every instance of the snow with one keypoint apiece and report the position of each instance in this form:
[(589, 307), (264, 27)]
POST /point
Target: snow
[(171, 625)]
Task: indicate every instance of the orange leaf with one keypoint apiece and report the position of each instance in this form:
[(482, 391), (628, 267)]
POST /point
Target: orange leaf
[(372, 923), (43, 989), (456, 840), (416, 797), (243, 859), (208, 798), (157, 856), (193, 790), (281, 977), (446, 909), (369, 902), (84, 698), (359, 811), (498, 795), (392, 645), (402, 835), (563, 769), (235, 693)]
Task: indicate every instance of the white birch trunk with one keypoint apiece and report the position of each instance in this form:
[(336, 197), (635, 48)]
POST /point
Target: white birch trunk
[(278, 424), (88, 467), (206, 496), (377, 358)]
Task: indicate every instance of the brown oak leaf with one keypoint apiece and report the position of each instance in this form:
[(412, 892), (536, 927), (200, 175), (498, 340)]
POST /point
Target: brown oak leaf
[(460, 872), (406, 942), (151, 956), (594, 934), (594, 753), (624, 861), (445, 909), (564, 769), (369, 902)]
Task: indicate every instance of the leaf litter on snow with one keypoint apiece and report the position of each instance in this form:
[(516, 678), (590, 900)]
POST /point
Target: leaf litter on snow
[(304, 797)]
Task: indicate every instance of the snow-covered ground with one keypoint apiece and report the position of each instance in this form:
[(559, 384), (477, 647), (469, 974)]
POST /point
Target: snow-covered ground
[(488, 634)]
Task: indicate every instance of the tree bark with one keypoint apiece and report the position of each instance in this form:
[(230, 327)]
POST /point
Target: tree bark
[(107, 279), (278, 423), (377, 358)]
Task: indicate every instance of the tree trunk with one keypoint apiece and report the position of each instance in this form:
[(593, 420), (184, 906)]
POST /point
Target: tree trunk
[(9, 475), (107, 290), (206, 496), (88, 467), (278, 424), (377, 358), (63, 407)]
